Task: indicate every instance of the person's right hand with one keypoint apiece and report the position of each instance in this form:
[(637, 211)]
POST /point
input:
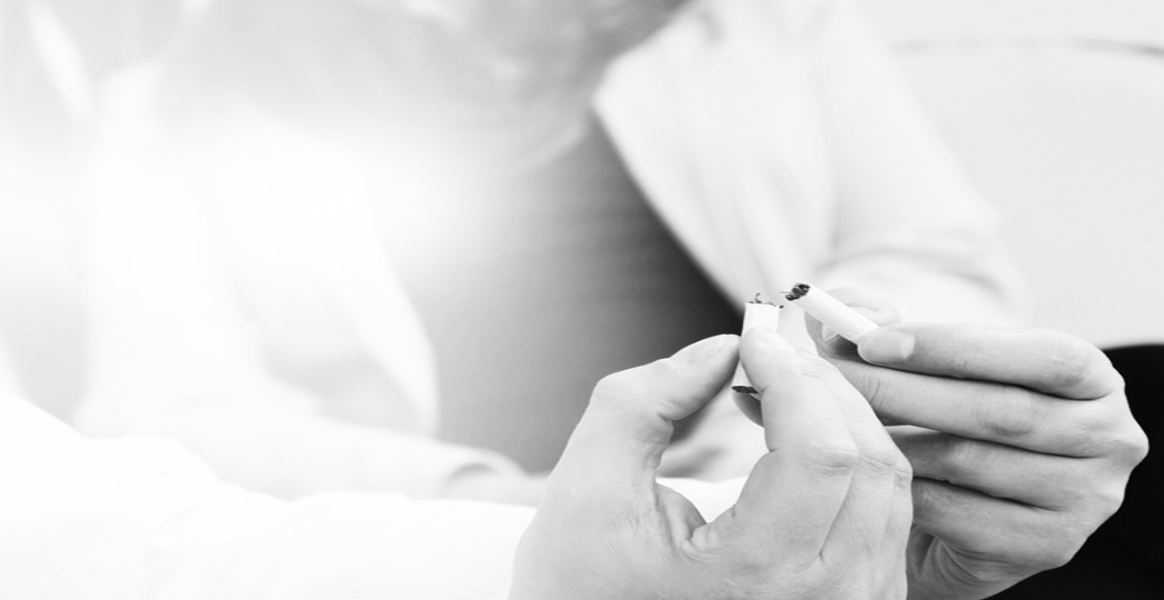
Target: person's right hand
[(825, 514)]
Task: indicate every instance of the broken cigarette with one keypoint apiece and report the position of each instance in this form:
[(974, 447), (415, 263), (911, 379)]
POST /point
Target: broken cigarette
[(757, 313), (833, 313)]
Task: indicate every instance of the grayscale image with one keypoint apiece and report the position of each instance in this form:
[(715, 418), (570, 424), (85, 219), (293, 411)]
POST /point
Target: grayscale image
[(581, 299)]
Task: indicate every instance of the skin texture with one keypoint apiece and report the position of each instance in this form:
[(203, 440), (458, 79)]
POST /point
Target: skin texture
[(1021, 442), (825, 514)]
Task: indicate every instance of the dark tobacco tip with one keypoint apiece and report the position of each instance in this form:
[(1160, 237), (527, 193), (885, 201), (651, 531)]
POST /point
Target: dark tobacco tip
[(798, 291), (759, 300)]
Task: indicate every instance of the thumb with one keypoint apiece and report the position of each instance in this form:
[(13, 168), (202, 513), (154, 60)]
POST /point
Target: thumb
[(621, 438)]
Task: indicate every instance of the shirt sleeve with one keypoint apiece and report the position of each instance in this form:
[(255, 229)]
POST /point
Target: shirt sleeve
[(909, 226), (174, 352), (143, 518), (780, 141)]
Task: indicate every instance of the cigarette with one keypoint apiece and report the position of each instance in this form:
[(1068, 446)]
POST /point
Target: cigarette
[(847, 322), (757, 313)]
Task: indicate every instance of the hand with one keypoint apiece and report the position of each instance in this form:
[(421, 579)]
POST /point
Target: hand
[(1021, 442), (825, 514)]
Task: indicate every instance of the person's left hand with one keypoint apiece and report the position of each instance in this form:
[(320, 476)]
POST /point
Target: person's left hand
[(1021, 442)]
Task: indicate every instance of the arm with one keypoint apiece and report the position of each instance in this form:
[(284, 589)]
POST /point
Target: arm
[(910, 227), (173, 351), (142, 518)]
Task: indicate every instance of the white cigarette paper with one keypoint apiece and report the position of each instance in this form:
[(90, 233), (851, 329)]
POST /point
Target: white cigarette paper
[(756, 314), (847, 322)]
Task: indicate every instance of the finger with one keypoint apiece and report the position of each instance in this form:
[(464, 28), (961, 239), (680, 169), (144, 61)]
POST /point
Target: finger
[(1044, 360), (900, 522), (794, 493), (1030, 478), (621, 437), (750, 406), (877, 309), (882, 471), (896, 537), (976, 525), (986, 411)]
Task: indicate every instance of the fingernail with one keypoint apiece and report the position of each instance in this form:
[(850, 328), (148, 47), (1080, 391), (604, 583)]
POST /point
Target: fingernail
[(771, 338), (886, 346), (703, 351)]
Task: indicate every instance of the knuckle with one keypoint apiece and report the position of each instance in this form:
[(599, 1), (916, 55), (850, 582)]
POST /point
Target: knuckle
[(638, 381), (1060, 558), (619, 393), (616, 385), (1091, 427), (1106, 501), (931, 496), (1078, 368), (1054, 541), (1139, 447), (812, 367), (835, 459), (959, 455), (963, 347), (1131, 444), (1008, 413), (1104, 432), (1081, 509), (879, 462), (671, 383), (1056, 550), (1070, 360), (903, 474), (877, 389)]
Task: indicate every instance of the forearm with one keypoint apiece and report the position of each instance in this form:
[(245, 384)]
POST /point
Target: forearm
[(975, 283), (173, 352), (290, 450), (910, 226), (115, 518)]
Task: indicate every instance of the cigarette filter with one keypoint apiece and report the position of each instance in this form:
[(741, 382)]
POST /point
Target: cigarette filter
[(847, 322), (757, 313)]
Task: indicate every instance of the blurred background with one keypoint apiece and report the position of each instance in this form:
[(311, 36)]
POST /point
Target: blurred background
[(1056, 108)]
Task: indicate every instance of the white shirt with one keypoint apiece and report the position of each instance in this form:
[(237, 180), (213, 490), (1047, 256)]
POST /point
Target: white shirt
[(775, 138), (142, 518)]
